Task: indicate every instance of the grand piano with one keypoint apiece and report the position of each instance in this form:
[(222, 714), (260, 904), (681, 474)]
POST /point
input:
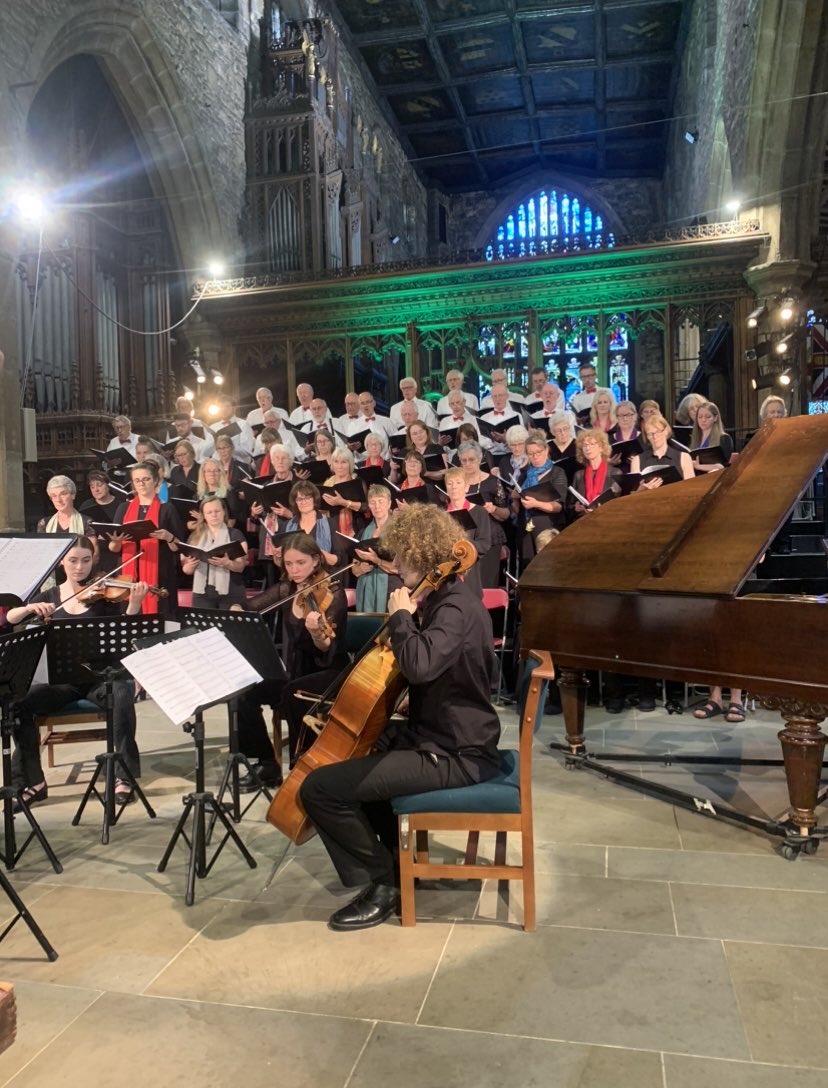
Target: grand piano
[(649, 584)]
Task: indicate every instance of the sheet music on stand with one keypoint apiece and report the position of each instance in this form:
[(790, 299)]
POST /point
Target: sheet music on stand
[(190, 672), (26, 561)]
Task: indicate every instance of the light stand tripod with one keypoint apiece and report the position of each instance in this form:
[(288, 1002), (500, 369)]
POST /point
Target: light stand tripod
[(19, 656), (94, 647), (198, 804)]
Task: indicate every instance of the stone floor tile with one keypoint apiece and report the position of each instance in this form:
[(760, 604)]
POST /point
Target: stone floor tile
[(405, 1055), (683, 1072), (106, 940), (125, 1039), (635, 906), (616, 820), (263, 954), (698, 832), (703, 867), (618, 989), (43, 1011), (781, 992), (774, 917)]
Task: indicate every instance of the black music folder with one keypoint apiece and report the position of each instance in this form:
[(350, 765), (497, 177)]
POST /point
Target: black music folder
[(355, 442), (350, 490), (498, 426), (118, 457), (233, 549), (398, 442), (229, 430), (631, 447), (318, 471), (267, 492), (412, 494), (464, 519), (669, 474), (371, 474), (186, 507), (135, 530), (372, 544), (709, 455)]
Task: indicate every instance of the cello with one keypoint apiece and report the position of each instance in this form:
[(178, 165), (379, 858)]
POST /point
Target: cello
[(366, 699)]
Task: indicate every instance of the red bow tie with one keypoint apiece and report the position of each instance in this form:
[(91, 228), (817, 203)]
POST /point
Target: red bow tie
[(459, 419), (370, 419), (499, 413)]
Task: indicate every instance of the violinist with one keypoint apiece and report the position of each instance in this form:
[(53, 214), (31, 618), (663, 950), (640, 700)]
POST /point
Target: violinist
[(218, 582), (67, 602), (313, 652), (154, 560), (450, 737)]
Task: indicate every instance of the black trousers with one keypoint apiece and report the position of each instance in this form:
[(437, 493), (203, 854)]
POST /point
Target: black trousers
[(254, 739), (349, 805), (49, 698)]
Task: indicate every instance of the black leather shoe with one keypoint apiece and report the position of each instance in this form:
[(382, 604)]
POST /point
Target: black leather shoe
[(264, 776), (646, 705), (614, 708), (370, 908)]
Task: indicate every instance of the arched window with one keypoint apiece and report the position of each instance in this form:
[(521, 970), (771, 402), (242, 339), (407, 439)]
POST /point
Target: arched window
[(548, 222)]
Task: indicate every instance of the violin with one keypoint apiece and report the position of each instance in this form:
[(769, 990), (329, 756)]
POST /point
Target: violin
[(308, 600), (115, 590)]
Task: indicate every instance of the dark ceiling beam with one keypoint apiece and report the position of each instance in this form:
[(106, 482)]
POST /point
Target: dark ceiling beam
[(444, 72), (425, 85), (601, 84), (491, 19), (525, 81), (420, 127)]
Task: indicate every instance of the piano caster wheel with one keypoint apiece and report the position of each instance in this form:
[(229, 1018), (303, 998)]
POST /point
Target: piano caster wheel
[(810, 846), (789, 852), (673, 708)]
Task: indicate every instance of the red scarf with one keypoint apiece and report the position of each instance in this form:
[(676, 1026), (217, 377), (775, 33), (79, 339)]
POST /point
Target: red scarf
[(595, 480), (146, 568)]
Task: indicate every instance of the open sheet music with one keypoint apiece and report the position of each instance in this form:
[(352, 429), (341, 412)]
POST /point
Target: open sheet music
[(26, 561), (191, 673)]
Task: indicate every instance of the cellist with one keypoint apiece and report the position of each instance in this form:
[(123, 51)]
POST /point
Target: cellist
[(313, 652), (450, 737)]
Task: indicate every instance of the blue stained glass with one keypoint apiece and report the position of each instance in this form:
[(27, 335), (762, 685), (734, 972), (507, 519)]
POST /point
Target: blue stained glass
[(489, 253), (521, 218), (599, 223), (510, 228), (592, 341), (817, 407), (573, 342), (565, 214), (533, 227), (553, 214), (544, 215), (576, 216), (610, 239), (549, 222), (501, 233), (587, 220)]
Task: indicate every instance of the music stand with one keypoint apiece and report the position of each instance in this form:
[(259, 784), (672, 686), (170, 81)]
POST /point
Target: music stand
[(19, 656), (91, 649), (200, 801), (249, 634)]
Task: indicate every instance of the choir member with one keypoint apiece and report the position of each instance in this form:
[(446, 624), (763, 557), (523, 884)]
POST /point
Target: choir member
[(375, 449), (244, 440), (153, 561), (510, 464), (687, 407), (234, 470), (369, 417), (454, 381), (458, 414), (495, 503), (124, 438), (348, 423), (345, 514), (303, 414), (581, 402), (602, 415), (62, 492), (626, 427), (596, 476), (54, 605), (183, 430), (218, 581), (562, 440), (772, 407), (272, 520), (102, 504), (322, 446), (419, 440), (658, 451), (500, 380), (408, 388), (538, 379), (501, 414), (708, 433), (480, 533), (552, 404), (536, 514), (306, 517), (648, 409), (264, 402), (276, 424), (375, 574)]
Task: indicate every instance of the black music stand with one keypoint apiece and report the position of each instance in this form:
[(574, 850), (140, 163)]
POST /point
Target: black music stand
[(248, 632), (84, 650), (200, 801), (19, 657)]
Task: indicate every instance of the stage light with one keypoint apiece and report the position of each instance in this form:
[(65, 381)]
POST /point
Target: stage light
[(783, 346), (212, 409), (765, 382), (733, 206), (218, 377), (189, 394), (786, 310), (754, 315), (29, 205), (691, 135), (198, 369), (216, 269), (785, 377)]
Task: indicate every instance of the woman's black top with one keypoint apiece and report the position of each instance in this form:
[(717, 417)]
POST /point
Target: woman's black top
[(300, 655), (183, 484), (167, 560), (493, 490), (94, 610), (672, 456)]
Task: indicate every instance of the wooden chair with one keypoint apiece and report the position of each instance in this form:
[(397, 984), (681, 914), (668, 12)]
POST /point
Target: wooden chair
[(503, 804), (70, 725)]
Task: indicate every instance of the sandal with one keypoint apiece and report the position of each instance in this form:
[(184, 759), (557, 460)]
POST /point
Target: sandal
[(32, 795), (735, 713), (123, 792), (709, 710)]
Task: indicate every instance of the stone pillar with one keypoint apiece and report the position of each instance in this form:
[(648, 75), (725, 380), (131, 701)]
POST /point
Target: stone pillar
[(11, 438)]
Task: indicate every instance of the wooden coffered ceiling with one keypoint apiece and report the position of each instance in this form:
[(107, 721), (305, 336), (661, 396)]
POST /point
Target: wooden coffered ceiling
[(485, 90)]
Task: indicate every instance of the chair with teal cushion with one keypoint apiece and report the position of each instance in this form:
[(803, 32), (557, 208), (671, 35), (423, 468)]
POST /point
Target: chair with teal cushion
[(60, 726), (501, 804)]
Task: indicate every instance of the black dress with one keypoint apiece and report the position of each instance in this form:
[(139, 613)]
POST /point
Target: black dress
[(494, 491)]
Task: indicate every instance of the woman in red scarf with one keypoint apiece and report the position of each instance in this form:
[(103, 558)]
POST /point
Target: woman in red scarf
[(592, 449), (154, 560)]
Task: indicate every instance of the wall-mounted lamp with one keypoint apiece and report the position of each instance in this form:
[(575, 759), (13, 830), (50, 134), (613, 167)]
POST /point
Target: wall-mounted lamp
[(691, 135), (218, 377), (754, 315)]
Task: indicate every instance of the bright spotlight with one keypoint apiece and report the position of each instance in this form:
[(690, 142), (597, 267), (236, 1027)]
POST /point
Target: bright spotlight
[(784, 378), (783, 346), (753, 317), (212, 409), (216, 269), (218, 378), (733, 206), (189, 394), (786, 310), (29, 205)]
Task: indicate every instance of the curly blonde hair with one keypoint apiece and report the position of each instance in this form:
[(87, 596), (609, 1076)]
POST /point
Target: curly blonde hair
[(422, 536)]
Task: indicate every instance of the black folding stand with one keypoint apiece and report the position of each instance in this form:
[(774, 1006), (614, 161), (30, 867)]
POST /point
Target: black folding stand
[(249, 634), (86, 650), (199, 803), (19, 657)]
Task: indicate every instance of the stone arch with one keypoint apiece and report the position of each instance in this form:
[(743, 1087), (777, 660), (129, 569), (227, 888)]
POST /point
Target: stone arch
[(547, 180), (144, 83), (720, 174)]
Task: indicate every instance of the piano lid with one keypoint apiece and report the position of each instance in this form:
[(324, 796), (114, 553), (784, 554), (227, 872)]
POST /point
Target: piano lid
[(701, 536)]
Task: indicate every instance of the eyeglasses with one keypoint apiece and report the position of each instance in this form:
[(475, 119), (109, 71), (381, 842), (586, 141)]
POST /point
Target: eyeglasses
[(143, 480), (626, 415)]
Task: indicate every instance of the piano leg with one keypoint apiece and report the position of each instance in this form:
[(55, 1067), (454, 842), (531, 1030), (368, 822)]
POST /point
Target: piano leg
[(803, 747), (573, 684)]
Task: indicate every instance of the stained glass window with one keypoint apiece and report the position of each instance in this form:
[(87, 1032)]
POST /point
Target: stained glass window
[(548, 222)]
